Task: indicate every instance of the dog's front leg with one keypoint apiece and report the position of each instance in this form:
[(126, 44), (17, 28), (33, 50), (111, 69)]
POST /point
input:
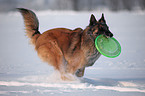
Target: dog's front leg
[(80, 72)]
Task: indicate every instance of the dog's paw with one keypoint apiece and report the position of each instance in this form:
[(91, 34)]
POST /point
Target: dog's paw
[(68, 77)]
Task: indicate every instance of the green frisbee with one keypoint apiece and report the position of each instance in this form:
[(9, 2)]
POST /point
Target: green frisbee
[(108, 47)]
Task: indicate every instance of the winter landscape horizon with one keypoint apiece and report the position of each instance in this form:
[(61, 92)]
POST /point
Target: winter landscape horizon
[(22, 73)]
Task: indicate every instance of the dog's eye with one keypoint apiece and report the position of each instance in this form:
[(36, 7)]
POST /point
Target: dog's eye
[(103, 28)]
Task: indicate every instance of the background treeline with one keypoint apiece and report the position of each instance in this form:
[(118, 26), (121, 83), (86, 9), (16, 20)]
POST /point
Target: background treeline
[(77, 5)]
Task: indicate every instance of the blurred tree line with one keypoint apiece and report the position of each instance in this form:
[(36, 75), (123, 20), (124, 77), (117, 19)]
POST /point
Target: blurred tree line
[(77, 5)]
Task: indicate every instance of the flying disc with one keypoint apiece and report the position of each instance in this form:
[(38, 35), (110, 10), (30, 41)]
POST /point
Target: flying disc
[(108, 47)]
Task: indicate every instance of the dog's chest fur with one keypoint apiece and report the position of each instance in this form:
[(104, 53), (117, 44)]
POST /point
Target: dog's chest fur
[(91, 53), (92, 56)]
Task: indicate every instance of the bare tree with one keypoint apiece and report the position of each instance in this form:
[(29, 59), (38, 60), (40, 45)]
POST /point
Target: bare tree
[(142, 4), (75, 5)]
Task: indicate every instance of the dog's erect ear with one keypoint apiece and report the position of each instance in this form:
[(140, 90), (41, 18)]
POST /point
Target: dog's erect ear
[(92, 20), (102, 19)]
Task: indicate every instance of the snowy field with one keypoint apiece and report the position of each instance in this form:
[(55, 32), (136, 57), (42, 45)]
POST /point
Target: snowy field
[(23, 74)]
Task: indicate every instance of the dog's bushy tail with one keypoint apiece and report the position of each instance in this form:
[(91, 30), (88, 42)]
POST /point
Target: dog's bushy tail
[(31, 24)]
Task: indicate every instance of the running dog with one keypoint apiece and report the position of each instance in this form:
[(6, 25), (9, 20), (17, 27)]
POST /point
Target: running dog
[(68, 51)]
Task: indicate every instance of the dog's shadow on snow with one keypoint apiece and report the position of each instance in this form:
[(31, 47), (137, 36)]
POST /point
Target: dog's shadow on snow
[(100, 82)]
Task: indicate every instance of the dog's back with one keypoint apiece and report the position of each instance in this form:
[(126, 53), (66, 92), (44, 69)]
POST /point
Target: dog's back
[(62, 36)]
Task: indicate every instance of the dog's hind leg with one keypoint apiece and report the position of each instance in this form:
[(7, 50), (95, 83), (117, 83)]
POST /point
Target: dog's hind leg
[(52, 54)]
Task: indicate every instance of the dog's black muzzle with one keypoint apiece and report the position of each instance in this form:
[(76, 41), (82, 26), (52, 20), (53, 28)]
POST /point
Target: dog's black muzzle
[(108, 34)]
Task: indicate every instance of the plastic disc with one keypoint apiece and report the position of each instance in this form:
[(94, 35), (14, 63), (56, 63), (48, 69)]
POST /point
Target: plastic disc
[(108, 47)]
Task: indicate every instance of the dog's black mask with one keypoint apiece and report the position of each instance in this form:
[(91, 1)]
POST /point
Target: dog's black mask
[(97, 28)]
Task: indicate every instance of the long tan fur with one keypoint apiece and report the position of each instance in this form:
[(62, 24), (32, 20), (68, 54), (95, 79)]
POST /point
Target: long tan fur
[(31, 24)]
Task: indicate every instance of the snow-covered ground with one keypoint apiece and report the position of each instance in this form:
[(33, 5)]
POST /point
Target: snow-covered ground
[(23, 74)]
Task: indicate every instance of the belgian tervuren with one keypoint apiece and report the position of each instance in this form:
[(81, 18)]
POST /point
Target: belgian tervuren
[(68, 51)]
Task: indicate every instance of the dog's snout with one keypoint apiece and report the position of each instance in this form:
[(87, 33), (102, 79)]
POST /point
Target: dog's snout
[(109, 34)]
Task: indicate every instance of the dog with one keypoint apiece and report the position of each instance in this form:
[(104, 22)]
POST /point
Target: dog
[(68, 51)]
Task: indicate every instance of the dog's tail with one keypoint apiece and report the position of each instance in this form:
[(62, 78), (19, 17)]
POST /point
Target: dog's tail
[(31, 24)]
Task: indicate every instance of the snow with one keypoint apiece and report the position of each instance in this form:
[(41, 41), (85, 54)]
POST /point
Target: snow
[(22, 73)]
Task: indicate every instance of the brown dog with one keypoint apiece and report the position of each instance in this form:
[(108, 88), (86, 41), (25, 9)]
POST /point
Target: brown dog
[(68, 51)]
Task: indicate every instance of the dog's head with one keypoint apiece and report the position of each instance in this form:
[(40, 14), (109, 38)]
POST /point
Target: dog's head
[(97, 28)]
